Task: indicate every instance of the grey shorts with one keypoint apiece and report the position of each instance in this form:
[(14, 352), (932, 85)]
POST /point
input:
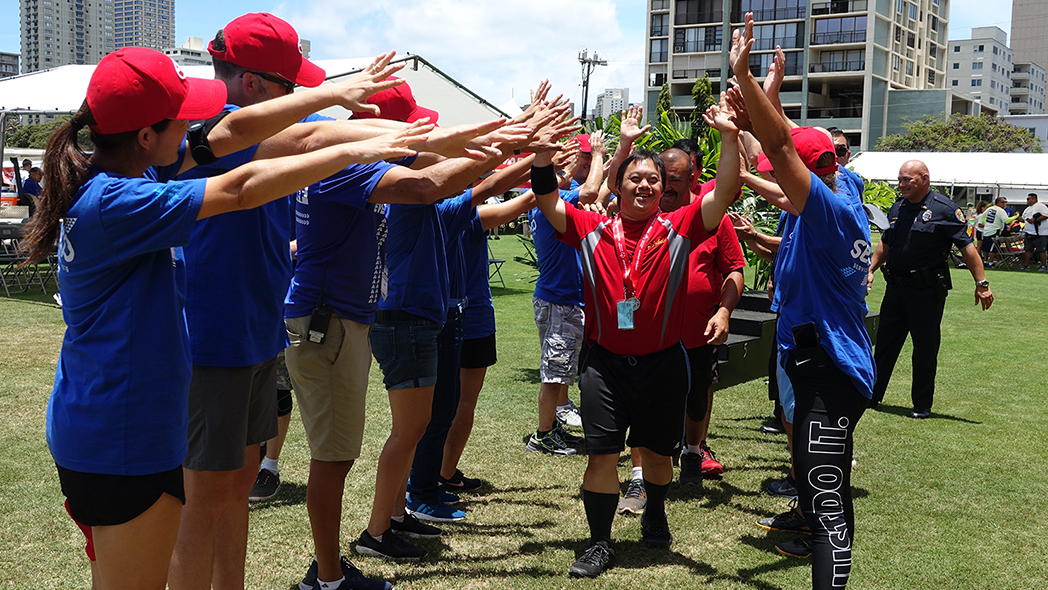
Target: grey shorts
[(229, 409), (560, 336), (1032, 243)]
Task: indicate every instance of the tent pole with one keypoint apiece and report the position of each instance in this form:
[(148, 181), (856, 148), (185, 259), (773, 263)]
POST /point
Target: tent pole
[(3, 135)]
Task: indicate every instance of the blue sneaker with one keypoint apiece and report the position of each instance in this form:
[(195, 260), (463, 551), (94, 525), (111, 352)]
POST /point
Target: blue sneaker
[(434, 512), (448, 497)]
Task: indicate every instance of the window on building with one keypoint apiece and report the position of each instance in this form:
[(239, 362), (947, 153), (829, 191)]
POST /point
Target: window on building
[(977, 65), (895, 63), (659, 50), (954, 83), (977, 82), (995, 50), (911, 39), (850, 29), (909, 68), (956, 66), (660, 25), (693, 12), (913, 11), (977, 48), (956, 48), (898, 34)]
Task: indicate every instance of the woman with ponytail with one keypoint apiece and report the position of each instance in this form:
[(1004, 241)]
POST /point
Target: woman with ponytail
[(116, 419)]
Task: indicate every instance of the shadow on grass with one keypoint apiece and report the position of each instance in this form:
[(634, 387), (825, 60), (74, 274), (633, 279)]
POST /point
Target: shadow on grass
[(905, 412), (528, 375), (290, 494)]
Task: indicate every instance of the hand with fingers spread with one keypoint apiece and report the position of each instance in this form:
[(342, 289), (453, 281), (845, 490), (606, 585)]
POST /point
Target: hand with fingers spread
[(393, 145), (630, 129), (461, 141), (741, 42), (739, 115), (597, 143), (548, 137), (353, 93), (719, 116), (776, 72), (562, 158), (538, 99), (744, 229), (507, 138)]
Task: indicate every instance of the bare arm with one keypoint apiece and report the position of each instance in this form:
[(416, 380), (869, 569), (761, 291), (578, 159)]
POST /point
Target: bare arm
[(629, 131), (770, 191), (257, 183), (724, 193), (551, 204), (762, 245), (496, 215), (731, 293), (983, 295), (590, 190)]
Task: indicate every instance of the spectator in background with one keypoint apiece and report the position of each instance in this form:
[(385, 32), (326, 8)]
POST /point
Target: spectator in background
[(848, 182), (994, 219), (31, 185), (1035, 232)]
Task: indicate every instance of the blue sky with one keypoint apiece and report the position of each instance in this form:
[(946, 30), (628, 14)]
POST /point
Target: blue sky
[(498, 48)]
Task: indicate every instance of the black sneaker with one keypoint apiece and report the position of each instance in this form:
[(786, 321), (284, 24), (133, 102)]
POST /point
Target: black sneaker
[(790, 520), (655, 530), (550, 443), (461, 483), (920, 414), (414, 528), (577, 442), (391, 547), (799, 548), (599, 557), (691, 469), (267, 484), (355, 580), (773, 427), (786, 488)]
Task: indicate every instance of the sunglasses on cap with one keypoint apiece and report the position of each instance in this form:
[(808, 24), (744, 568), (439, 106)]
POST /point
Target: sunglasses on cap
[(842, 150), (288, 85)]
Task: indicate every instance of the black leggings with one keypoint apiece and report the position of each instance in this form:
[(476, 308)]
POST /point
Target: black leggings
[(828, 407)]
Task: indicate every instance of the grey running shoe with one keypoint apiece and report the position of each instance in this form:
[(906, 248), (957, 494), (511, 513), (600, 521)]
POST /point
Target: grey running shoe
[(390, 547), (785, 488), (636, 498), (691, 469), (790, 520), (550, 443), (267, 484), (799, 548), (599, 557), (569, 415), (655, 530)]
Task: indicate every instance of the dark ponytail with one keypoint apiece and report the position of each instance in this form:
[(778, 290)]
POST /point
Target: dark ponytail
[(65, 168)]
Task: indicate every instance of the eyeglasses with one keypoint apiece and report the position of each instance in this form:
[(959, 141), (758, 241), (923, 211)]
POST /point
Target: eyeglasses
[(842, 150), (289, 86)]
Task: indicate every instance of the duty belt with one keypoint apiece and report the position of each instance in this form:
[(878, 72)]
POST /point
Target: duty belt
[(918, 278)]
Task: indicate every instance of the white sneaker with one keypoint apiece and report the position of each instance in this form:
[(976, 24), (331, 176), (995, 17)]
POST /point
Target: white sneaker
[(569, 415), (58, 299)]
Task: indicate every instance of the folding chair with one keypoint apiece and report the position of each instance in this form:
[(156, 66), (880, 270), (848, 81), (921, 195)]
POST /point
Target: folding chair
[(497, 270), (12, 274), (1007, 259)]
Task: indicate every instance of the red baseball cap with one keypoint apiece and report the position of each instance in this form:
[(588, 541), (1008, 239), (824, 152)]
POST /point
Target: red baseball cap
[(811, 144), (262, 42), (398, 104), (584, 142), (135, 87), (763, 164)]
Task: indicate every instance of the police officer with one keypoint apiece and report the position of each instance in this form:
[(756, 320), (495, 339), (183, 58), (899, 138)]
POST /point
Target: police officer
[(912, 255)]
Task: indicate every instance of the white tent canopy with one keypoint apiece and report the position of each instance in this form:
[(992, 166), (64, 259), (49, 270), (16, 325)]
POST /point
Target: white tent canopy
[(62, 90), (971, 169)]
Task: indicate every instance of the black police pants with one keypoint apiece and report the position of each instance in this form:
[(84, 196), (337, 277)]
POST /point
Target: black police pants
[(917, 312), (828, 408)]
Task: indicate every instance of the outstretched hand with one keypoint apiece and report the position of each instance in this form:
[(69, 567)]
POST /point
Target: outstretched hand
[(462, 141), (719, 116), (776, 72), (630, 129), (741, 41), (739, 115), (538, 100), (354, 92), (391, 145)]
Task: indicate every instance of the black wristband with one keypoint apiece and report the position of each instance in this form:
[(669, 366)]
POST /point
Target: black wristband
[(544, 180)]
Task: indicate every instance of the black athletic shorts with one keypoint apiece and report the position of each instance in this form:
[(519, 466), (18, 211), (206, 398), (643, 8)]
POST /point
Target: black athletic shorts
[(643, 394), (97, 499), (479, 353), (703, 360)]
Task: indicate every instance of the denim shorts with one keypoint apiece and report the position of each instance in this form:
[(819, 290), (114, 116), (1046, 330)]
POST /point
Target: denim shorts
[(406, 351)]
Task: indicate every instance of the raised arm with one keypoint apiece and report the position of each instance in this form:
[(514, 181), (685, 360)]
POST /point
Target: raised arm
[(496, 215), (770, 129), (547, 196), (629, 131), (769, 190), (762, 245), (256, 183), (727, 188), (589, 192)]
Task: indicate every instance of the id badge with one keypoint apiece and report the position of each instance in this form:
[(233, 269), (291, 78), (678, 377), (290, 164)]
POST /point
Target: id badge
[(625, 309)]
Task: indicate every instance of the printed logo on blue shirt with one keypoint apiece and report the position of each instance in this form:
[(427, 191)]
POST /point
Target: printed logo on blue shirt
[(66, 246)]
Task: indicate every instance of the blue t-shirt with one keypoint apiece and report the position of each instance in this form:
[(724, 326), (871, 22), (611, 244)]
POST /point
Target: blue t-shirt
[(458, 214), (238, 267), (820, 277), (850, 183), (479, 319), (31, 187), (417, 258), (340, 245), (560, 268), (121, 395)]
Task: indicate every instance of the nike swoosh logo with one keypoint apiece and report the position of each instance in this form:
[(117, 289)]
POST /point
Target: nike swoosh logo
[(799, 363)]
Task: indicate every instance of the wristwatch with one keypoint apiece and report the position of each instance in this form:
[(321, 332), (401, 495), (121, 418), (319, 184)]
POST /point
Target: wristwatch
[(983, 283)]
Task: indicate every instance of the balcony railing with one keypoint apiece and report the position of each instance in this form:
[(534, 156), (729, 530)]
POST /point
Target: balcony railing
[(838, 37), (658, 56), (855, 65), (838, 7), (1020, 75), (771, 14), (835, 113)]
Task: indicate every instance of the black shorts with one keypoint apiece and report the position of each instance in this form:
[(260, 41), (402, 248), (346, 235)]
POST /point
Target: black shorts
[(479, 353), (703, 360), (643, 394), (97, 499)]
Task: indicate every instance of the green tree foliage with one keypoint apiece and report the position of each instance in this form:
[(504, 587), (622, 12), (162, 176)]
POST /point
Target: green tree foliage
[(665, 104), (37, 136), (702, 94), (960, 133)]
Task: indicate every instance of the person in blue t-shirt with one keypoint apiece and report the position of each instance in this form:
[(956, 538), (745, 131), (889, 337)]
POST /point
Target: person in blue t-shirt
[(820, 271), (118, 413), (558, 307)]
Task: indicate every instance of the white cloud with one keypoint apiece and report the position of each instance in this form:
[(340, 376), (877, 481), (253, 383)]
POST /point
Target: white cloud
[(494, 48)]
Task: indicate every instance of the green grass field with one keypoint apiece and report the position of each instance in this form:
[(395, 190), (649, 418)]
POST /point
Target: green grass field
[(958, 501)]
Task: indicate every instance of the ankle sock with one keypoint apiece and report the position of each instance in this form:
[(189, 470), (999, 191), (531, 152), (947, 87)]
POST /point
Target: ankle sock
[(638, 473), (331, 585), (693, 449), (270, 465)]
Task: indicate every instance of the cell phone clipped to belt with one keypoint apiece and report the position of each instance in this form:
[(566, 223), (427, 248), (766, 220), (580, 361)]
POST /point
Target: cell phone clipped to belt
[(318, 323), (805, 335)]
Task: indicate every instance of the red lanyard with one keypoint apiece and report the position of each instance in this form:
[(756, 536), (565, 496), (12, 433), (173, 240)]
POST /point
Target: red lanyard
[(628, 290)]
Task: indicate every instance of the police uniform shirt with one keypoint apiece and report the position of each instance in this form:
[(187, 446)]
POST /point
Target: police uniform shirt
[(921, 233)]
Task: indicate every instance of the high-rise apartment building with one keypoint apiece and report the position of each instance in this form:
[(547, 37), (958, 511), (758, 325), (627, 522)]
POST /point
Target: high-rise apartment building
[(144, 23), (611, 101), (191, 53), (845, 59), (60, 32), (1029, 23), (1028, 89), (9, 64), (982, 67)]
